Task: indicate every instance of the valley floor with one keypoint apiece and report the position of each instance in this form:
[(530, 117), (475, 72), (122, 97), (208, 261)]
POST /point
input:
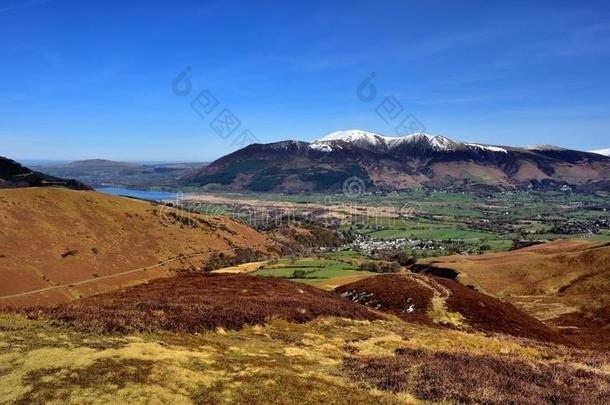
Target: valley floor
[(286, 332)]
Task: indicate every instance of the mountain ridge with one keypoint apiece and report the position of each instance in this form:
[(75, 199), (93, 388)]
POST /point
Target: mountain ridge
[(371, 139), (395, 163), (110, 173), (15, 175)]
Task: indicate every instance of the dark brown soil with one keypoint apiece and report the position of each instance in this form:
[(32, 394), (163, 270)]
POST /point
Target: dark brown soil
[(195, 302), (467, 378)]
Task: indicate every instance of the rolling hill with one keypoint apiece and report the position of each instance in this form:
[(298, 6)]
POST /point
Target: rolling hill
[(108, 173), (13, 174), (444, 302), (226, 338), (394, 163), (564, 284), (66, 244)]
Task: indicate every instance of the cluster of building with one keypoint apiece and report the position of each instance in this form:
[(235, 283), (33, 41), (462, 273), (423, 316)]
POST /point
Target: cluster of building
[(368, 244)]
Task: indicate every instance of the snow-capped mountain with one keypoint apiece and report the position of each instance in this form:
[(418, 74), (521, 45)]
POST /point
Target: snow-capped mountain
[(374, 141), (363, 139), (605, 152), (394, 163)]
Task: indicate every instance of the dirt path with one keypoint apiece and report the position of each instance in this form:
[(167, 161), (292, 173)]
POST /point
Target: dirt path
[(74, 284), (439, 312), (438, 289)]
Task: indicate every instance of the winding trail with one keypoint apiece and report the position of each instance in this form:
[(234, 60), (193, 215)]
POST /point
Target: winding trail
[(163, 263), (437, 288)]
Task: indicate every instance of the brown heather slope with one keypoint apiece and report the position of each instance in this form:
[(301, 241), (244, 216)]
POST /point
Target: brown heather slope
[(436, 300), (394, 294), (77, 243), (464, 378), (564, 284), (196, 302), (327, 360)]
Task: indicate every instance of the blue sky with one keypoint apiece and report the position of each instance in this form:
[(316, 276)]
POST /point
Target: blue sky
[(93, 79)]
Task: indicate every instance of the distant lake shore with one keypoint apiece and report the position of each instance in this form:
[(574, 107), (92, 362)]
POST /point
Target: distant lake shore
[(141, 194)]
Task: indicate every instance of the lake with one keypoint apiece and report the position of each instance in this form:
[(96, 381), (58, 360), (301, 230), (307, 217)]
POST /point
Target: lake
[(141, 194)]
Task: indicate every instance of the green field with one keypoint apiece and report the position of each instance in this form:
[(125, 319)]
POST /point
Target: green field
[(435, 233), (310, 271), (461, 222)]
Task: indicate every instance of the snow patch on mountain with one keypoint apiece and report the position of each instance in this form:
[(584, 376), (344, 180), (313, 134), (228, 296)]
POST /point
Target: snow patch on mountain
[(353, 135), (487, 147), (435, 142), (362, 139), (376, 142), (605, 152), (322, 146)]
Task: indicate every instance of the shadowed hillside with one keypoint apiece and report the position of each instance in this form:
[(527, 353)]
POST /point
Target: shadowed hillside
[(13, 174)]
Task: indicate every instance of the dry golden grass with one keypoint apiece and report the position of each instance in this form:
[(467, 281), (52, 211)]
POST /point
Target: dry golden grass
[(439, 314), (565, 284), (51, 236), (536, 270), (242, 268), (276, 362)]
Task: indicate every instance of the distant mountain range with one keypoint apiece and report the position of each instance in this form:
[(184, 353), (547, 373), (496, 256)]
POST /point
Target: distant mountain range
[(108, 173), (393, 163), (14, 175)]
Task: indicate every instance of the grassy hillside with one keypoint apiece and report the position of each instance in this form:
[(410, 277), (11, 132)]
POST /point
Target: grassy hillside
[(564, 283), (557, 268), (196, 302), (309, 270), (76, 243), (446, 303), (297, 345)]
